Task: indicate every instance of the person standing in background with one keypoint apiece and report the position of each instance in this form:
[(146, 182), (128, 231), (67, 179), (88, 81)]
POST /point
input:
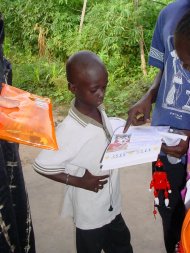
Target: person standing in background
[(170, 92), (16, 231)]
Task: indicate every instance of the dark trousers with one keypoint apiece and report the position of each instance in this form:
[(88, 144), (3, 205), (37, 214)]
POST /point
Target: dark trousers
[(172, 216), (112, 238), (16, 231)]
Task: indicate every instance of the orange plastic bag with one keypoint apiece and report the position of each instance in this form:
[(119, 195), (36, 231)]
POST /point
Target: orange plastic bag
[(30, 123), (185, 234)]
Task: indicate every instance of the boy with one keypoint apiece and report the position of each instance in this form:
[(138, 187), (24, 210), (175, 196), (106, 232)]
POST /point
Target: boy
[(92, 197)]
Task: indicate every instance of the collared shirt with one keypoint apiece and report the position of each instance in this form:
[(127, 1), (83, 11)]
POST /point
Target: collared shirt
[(82, 142)]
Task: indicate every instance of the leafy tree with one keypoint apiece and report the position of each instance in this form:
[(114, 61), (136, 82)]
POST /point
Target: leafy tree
[(47, 33)]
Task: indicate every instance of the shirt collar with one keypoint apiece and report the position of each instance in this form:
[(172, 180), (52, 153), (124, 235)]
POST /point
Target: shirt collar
[(84, 119)]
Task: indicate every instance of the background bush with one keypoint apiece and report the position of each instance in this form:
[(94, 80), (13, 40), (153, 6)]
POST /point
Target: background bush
[(41, 35)]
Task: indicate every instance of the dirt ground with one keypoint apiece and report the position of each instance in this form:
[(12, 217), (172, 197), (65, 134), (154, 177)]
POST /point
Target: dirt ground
[(55, 235)]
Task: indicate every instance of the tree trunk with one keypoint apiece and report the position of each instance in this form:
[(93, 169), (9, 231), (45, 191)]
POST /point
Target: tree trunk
[(141, 44), (136, 3), (82, 15)]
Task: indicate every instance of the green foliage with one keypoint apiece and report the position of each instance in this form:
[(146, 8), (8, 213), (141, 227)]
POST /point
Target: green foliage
[(24, 18), (112, 29), (43, 78)]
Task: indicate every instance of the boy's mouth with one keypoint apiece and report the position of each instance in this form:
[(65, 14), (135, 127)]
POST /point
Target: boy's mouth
[(100, 101)]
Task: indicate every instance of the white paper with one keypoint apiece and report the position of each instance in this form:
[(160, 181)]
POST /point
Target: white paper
[(173, 139), (140, 144)]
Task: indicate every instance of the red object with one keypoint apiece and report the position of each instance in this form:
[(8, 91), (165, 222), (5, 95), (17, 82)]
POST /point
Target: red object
[(160, 182), (180, 249)]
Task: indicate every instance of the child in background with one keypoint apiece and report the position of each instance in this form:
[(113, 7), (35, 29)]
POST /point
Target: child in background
[(92, 197)]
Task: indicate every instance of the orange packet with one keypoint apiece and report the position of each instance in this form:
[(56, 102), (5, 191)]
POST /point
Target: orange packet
[(185, 233), (30, 123)]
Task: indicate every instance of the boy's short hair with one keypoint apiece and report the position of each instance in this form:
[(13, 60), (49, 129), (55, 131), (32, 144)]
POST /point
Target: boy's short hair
[(79, 60)]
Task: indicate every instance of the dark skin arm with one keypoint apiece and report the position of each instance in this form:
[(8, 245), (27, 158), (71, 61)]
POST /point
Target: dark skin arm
[(87, 182), (139, 114), (178, 150)]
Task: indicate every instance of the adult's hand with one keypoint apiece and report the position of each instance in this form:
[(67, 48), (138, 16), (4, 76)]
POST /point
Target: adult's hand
[(139, 113)]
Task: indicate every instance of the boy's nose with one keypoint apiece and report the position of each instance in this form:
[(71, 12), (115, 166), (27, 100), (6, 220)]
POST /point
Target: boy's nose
[(100, 94)]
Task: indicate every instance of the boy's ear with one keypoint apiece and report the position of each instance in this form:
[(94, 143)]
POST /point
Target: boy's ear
[(72, 87)]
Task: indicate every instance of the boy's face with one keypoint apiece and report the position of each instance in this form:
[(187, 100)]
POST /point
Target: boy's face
[(90, 87), (182, 46)]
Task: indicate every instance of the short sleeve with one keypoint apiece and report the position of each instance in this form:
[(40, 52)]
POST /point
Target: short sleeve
[(70, 140), (157, 49)]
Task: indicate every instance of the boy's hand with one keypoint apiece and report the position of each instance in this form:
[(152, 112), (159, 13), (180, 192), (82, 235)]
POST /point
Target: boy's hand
[(93, 183)]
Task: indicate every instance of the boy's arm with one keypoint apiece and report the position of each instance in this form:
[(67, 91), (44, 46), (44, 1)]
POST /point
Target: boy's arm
[(87, 181)]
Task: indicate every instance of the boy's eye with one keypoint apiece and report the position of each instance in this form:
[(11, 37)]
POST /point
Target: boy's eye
[(93, 91)]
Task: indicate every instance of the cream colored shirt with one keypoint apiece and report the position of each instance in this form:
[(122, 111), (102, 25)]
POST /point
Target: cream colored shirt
[(82, 142)]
